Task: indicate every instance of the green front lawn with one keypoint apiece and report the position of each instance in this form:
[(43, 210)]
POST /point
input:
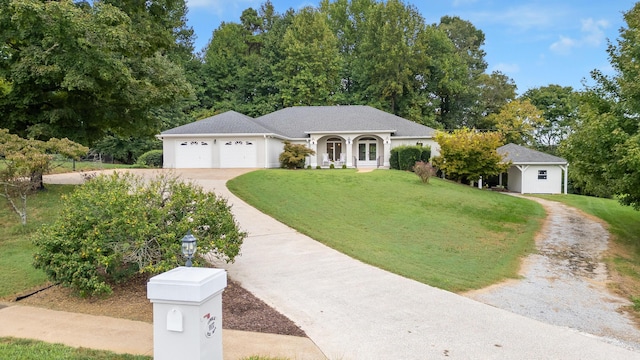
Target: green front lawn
[(16, 272), (11, 348), (443, 234)]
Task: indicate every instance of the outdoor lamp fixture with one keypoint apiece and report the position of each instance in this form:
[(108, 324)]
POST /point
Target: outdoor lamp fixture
[(348, 140), (188, 247)]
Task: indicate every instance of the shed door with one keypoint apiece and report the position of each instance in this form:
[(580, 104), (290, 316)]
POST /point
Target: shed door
[(238, 154), (193, 154)]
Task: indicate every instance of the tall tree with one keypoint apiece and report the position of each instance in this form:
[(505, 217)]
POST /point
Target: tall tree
[(347, 19), (496, 90), (80, 72), (517, 121), (559, 106), (392, 49), (604, 149), (456, 107), (309, 72)]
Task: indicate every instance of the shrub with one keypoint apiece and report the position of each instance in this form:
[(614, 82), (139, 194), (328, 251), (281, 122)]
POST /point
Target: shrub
[(408, 156), (344, 166), (425, 155), (318, 167), (393, 159), (151, 158), (294, 155), (423, 170), (332, 166), (115, 226), (404, 157)]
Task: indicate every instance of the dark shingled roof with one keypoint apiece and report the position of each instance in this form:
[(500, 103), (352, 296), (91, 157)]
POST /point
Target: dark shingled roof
[(521, 155), (229, 122), (299, 121)]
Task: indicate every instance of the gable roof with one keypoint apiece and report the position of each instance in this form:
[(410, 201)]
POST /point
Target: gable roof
[(521, 155), (229, 122), (300, 121)]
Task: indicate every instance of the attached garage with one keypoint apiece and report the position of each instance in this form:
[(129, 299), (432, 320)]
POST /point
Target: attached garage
[(194, 154), (238, 154)]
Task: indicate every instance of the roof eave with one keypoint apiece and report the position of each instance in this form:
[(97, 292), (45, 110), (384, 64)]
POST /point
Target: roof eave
[(539, 163)]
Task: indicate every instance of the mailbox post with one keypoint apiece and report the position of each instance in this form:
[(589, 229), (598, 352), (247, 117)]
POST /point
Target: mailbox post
[(187, 313)]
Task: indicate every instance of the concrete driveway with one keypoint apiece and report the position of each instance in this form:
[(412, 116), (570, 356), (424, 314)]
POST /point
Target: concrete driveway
[(355, 311)]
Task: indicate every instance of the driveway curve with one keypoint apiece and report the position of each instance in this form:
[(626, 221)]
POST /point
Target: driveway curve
[(352, 310), (565, 282)]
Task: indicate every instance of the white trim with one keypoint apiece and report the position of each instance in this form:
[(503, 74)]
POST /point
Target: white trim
[(522, 171)]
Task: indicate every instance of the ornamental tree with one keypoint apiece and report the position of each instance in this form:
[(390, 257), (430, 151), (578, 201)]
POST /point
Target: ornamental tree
[(294, 155), (116, 226), (466, 155), (25, 162)]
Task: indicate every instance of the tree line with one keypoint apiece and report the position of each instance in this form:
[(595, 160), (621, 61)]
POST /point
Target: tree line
[(110, 74)]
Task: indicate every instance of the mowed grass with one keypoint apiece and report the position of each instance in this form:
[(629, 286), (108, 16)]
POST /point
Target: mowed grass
[(16, 271), (444, 234), (624, 225), (11, 348)]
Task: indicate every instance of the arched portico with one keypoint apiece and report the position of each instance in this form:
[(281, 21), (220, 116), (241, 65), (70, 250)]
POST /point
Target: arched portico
[(352, 150)]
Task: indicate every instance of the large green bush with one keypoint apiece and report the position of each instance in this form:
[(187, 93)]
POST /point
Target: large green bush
[(151, 158), (116, 226), (404, 157)]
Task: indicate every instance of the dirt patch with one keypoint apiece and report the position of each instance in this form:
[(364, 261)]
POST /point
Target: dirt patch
[(241, 310), (566, 282)]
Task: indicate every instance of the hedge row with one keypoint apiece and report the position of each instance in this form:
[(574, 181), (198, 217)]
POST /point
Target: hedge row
[(404, 157)]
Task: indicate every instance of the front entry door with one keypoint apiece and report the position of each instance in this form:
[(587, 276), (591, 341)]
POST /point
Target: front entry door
[(367, 152)]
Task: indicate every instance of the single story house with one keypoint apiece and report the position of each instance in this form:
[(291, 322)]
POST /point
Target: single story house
[(534, 172), (352, 135)]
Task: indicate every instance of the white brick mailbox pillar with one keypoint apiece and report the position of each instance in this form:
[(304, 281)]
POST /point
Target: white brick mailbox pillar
[(187, 313)]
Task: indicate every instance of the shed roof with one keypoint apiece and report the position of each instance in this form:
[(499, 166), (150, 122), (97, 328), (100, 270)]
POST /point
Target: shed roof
[(521, 155)]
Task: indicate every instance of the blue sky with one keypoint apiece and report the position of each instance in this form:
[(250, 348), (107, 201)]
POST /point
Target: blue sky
[(536, 43)]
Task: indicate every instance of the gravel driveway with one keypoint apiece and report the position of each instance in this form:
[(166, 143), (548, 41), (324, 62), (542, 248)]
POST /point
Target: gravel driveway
[(564, 283)]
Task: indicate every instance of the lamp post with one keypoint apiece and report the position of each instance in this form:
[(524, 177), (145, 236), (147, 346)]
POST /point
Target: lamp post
[(188, 247)]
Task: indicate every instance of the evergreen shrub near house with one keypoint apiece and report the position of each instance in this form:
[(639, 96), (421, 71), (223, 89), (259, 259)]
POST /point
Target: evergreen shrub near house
[(151, 158), (116, 226), (405, 157)]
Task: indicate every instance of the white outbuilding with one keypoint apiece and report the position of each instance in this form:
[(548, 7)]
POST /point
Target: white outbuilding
[(534, 172)]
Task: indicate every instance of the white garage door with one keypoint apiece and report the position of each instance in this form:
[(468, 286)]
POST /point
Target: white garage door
[(238, 154), (193, 154)]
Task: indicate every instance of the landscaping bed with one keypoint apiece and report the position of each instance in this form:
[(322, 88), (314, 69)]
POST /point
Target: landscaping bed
[(240, 309)]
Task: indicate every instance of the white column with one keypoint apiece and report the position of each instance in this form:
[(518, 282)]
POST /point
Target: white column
[(187, 313), (566, 177)]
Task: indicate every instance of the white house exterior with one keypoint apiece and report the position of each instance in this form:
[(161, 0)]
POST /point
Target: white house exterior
[(534, 172), (354, 135)]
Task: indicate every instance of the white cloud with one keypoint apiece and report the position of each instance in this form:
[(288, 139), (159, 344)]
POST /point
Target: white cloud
[(521, 17), (564, 45), (457, 3), (592, 34), (506, 68), (594, 31), (219, 7)]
